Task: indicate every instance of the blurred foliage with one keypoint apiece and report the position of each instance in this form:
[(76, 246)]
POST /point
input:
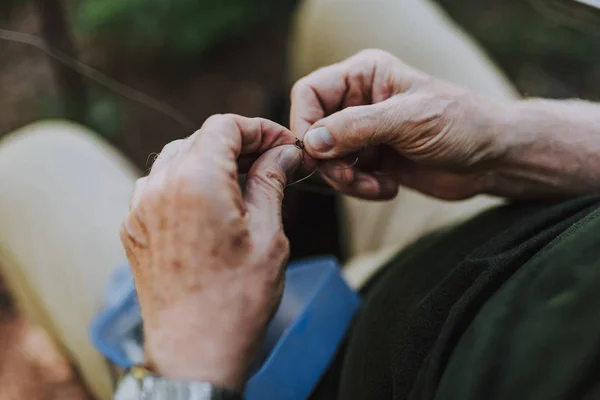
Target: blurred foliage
[(105, 114), (182, 27), (50, 107), (546, 50), (6, 6)]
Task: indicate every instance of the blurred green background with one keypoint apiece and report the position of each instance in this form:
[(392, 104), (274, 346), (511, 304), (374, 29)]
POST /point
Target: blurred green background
[(233, 52), (185, 27), (202, 57)]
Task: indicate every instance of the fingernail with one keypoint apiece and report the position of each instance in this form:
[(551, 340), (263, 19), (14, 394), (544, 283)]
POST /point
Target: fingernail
[(290, 159), (335, 170), (367, 184), (319, 139)]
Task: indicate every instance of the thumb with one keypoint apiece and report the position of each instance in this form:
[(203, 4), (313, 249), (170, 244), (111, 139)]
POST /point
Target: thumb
[(265, 184), (349, 130)]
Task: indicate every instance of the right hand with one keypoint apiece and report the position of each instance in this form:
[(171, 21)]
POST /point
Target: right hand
[(208, 258), (405, 126)]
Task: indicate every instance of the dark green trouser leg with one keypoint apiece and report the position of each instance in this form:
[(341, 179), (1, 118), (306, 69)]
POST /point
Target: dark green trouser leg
[(418, 311)]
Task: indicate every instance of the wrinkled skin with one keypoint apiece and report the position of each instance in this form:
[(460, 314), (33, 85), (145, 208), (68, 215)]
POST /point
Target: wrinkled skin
[(407, 127), (208, 259)]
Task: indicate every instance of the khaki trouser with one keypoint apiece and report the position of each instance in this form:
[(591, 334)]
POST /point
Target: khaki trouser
[(63, 192)]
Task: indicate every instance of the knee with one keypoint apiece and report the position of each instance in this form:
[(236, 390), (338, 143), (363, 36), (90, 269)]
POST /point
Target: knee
[(52, 139), (49, 147), (61, 166)]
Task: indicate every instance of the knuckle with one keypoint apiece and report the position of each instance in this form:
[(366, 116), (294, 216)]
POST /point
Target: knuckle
[(217, 124), (180, 185), (133, 234), (140, 184), (375, 54), (231, 119), (389, 116), (152, 195), (270, 179), (124, 232), (186, 184), (386, 61), (168, 152), (308, 82), (252, 126), (372, 52), (215, 118), (138, 189), (279, 245), (239, 234), (299, 86), (220, 120), (259, 123), (423, 80), (172, 146)]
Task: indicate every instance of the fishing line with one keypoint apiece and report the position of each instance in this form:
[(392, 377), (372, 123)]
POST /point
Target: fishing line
[(129, 92), (302, 179), (99, 77), (581, 19), (300, 145)]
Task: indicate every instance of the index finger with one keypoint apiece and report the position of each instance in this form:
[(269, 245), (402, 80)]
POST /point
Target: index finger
[(228, 136), (330, 89), (316, 96)]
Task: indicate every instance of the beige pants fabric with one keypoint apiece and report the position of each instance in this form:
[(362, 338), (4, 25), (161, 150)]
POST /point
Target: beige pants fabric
[(64, 193)]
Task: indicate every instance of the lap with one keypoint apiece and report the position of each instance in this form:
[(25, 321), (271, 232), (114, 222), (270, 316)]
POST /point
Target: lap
[(469, 307)]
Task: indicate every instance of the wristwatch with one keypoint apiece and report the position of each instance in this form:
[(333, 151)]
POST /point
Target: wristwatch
[(140, 384)]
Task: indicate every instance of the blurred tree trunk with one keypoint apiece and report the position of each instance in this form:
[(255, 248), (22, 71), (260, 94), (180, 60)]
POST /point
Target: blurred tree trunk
[(56, 33)]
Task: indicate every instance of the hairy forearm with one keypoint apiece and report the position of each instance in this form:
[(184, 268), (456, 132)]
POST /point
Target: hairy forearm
[(550, 149)]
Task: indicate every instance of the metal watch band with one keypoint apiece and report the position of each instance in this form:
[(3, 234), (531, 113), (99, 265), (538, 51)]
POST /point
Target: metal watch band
[(156, 388), (140, 384)]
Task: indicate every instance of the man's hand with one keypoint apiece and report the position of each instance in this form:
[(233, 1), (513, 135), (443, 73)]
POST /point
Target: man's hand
[(208, 259), (406, 126)]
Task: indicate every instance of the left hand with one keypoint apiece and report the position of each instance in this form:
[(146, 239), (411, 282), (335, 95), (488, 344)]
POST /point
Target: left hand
[(208, 260), (408, 128)]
